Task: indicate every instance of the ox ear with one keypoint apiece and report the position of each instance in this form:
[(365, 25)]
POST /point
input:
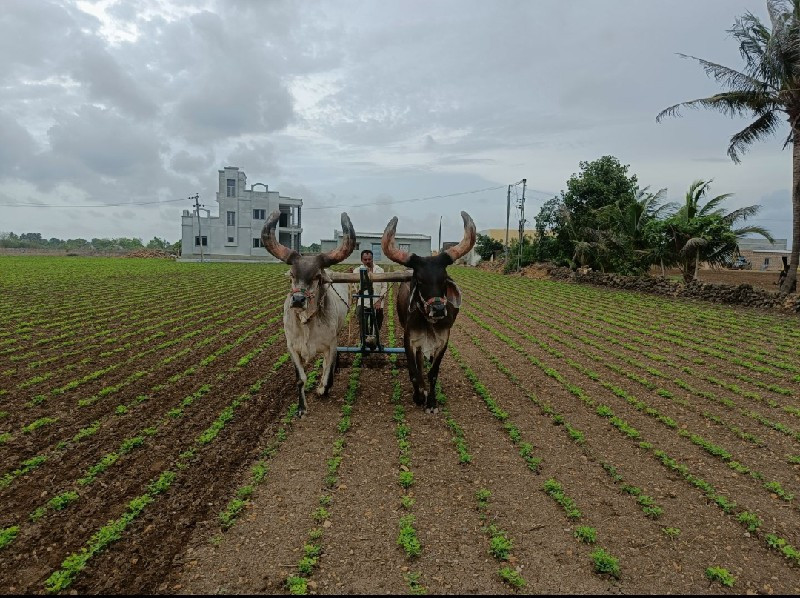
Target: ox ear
[(453, 294)]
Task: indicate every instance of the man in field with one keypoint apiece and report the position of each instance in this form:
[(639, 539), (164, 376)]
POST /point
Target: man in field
[(378, 288)]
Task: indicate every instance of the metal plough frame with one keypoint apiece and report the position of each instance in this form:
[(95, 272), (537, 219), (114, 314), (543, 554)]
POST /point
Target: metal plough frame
[(368, 324)]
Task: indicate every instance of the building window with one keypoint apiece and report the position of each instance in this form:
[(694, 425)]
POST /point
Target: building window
[(231, 187), (197, 241), (259, 214), (766, 261), (231, 218), (257, 242), (284, 220), (230, 239)]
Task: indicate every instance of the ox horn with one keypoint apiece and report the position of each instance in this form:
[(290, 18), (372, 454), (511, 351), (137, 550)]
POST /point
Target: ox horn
[(467, 242), (272, 245), (345, 247), (389, 246)]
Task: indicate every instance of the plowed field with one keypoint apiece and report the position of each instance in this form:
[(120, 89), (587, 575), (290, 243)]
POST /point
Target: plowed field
[(588, 441)]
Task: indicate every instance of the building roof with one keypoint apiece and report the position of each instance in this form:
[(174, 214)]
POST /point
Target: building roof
[(338, 234)]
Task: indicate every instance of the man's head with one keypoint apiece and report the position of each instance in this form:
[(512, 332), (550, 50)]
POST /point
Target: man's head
[(366, 258)]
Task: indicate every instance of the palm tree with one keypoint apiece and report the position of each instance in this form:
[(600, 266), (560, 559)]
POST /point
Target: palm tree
[(625, 227), (700, 232), (768, 89)]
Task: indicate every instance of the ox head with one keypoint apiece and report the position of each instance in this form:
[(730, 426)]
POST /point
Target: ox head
[(307, 272), (431, 288)]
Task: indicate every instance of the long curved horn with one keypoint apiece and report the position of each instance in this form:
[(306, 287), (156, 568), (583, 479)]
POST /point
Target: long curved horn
[(467, 242), (389, 246), (272, 245), (345, 248)]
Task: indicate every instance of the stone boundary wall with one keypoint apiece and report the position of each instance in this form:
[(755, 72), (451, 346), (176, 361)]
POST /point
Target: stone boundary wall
[(742, 294)]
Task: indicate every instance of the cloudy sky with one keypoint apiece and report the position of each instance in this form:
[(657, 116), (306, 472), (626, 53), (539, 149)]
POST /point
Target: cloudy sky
[(113, 112)]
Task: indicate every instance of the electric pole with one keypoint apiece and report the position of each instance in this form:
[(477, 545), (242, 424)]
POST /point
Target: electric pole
[(521, 220), (508, 216), (197, 206)]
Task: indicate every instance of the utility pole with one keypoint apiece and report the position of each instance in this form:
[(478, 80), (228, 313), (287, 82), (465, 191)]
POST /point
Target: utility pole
[(508, 217), (521, 219), (197, 206)]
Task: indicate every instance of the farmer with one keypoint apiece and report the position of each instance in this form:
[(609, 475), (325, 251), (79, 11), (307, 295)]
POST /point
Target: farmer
[(379, 288)]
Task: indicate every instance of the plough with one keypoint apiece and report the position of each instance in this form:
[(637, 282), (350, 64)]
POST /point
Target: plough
[(368, 324)]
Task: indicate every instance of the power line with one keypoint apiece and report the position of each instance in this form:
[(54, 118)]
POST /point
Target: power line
[(388, 203), (105, 205)]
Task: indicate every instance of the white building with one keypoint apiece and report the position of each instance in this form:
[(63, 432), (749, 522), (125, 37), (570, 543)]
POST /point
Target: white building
[(412, 243), (235, 233)]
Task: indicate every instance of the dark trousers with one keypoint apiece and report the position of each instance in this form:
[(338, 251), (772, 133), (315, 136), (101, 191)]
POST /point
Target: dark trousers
[(378, 315)]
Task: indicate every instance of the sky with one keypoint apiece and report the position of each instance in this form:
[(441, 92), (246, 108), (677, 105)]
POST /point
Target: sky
[(113, 113)]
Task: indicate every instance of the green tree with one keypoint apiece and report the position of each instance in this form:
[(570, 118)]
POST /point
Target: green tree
[(486, 247), (625, 231), (156, 243), (767, 89), (601, 183), (705, 232)]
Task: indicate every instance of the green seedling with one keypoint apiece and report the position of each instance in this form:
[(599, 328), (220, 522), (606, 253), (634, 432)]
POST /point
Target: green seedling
[(586, 534), (605, 563), (512, 577), (721, 575)]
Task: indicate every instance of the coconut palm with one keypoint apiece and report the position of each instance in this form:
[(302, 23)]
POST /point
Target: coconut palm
[(625, 228), (767, 88), (705, 232)]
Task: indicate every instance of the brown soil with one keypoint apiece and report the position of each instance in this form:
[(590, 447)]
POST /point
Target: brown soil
[(178, 546)]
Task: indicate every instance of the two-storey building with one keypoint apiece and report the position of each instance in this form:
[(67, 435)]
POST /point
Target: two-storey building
[(235, 233)]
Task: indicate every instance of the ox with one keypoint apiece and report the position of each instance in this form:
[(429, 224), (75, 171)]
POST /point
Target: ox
[(315, 309), (427, 307)]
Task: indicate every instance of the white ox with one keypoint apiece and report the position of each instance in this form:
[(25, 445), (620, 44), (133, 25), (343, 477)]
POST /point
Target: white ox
[(315, 310)]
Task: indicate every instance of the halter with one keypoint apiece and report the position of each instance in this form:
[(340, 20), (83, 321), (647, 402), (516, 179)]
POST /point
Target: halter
[(424, 303)]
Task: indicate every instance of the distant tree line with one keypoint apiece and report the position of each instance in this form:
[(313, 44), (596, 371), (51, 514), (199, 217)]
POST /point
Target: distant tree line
[(36, 241), (606, 222)]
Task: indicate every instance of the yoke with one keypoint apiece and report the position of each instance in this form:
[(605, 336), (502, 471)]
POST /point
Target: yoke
[(368, 323)]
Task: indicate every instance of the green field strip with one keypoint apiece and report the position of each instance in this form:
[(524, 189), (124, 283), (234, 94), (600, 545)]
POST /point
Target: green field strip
[(500, 543), (670, 331), (260, 469), (174, 413), (239, 321), (769, 486), (587, 298), (588, 310), (407, 537), (109, 390), (604, 563), (682, 385), (647, 504), (162, 321), (75, 563), (525, 449), (119, 313), (722, 502), (314, 550), (572, 324)]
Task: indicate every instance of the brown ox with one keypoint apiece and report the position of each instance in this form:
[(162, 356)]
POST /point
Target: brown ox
[(427, 307), (315, 309)]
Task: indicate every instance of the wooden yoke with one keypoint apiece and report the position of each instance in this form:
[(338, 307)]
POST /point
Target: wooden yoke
[(402, 276)]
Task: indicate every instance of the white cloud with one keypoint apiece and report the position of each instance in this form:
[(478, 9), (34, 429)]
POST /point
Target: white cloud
[(359, 102)]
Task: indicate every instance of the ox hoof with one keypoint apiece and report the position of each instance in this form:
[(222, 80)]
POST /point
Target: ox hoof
[(432, 410), (301, 413), (419, 399), (322, 391)]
